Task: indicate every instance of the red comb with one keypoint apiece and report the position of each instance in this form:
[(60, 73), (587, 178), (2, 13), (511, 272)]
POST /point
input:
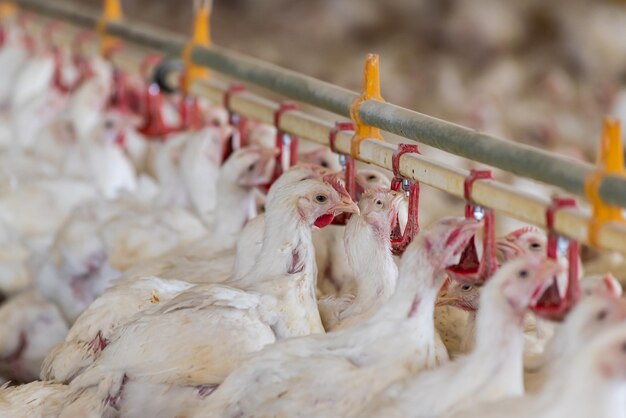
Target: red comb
[(334, 182), (522, 231)]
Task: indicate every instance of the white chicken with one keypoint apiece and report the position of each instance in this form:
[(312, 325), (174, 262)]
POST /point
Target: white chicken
[(84, 259), (594, 314), (494, 368), (368, 247), (91, 332), (602, 362), (98, 159), (84, 331), (335, 276), (34, 400), (279, 303), (37, 209), (75, 281), (12, 58), (334, 374), (191, 158), (458, 329), (30, 327)]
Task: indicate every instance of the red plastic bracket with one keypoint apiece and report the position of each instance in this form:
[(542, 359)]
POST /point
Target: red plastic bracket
[(399, 239), (190, 115), (557, 203), (232, 89), (332, 136), (399, 152), (552, 306), (468, 186), (350, 171), (154, 125), (470, 269)]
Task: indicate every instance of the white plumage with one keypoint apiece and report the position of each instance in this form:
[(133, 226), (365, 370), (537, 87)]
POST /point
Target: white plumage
[(279, 302), (334, 374), (494, 368), (137, 280), (368, 251)]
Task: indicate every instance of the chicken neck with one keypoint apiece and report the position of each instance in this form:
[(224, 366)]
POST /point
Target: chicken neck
[(413, 303), (496, 363), (372, 263), (285, 268)]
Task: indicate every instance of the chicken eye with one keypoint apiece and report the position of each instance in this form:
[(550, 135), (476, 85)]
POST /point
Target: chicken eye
[(535, 246), (371, 177), (324, 164), (379, 203), (320, 198), (602, 315), (466, 287), (522, 274), (251, 167)]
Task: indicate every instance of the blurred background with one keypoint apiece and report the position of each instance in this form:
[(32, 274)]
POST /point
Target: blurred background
[(539, 72)]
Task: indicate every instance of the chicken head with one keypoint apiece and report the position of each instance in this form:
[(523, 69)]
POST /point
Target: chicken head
[(445, 240), (320, 202), (592, 315), (524, 280), (465, 296), (251, 166), (522, 241), (371, 179), (526, 240), (601, 285), (379, 209), (322, 156)]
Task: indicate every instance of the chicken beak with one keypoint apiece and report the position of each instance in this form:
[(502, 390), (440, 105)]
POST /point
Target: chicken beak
[(544, 280), (346, 205)]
